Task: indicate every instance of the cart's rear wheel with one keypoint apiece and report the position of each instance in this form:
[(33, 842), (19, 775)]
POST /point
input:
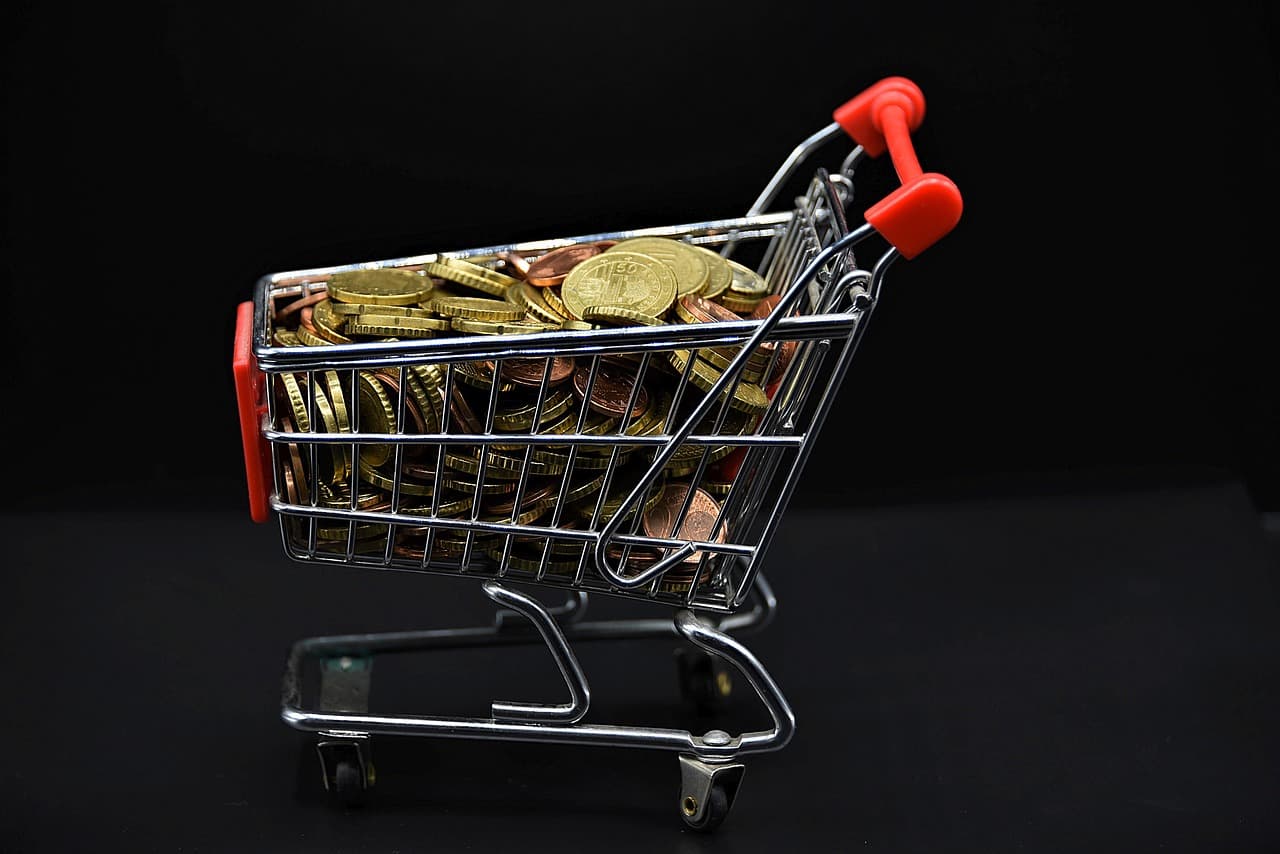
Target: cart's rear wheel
[(347, 771), (705, 680), (348, 781)]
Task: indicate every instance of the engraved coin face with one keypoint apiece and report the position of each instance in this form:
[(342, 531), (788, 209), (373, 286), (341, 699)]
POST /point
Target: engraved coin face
[(698, 523), (529, 372), (611, 390), (382, 287), (689, 266), (628, 279)]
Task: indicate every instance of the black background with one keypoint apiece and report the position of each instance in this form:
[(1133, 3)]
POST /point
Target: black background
[(1106, 302), (1090, 662)]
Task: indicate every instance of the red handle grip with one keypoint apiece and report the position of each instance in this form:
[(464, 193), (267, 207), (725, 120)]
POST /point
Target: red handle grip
[(927, 205), (251, 400)]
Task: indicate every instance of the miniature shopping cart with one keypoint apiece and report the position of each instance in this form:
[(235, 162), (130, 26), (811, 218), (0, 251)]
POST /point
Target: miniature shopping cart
[(715, 584)]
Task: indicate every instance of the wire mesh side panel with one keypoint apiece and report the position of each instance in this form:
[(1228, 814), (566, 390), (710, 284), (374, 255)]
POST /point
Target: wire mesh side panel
[(509, 465)]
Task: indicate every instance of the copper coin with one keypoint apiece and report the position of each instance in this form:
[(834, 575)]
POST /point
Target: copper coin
[(698, 523), (528, 372), (304, 318), (788, 351), (552, 268), (301, 303), (611, 391), (302, 280), (419, 471), (464, 418), (638, 559), (705, 310), (295, 476), (606, 244), (765, 307), (513, 264)]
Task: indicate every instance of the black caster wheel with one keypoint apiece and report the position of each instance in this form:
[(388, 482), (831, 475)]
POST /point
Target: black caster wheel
[(712, 813), (347, 772), (705, 680), (708, 789)]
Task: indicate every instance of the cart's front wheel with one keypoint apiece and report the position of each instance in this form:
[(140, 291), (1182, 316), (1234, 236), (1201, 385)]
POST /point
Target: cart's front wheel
[(707, 791), (712, 813)]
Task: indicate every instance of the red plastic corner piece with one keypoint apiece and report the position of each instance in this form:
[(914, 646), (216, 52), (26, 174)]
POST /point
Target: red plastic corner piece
[(917, 214), (860, 117), (251, 400)]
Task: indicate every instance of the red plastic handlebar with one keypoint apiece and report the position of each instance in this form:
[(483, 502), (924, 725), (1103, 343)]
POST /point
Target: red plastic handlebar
[(251, 400), (927, 205)]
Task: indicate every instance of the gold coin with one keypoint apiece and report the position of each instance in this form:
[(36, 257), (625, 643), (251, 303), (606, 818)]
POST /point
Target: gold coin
[(382, 480), (340, 498), (521, 417), (476, 308), (310, 339), (687, 458), (551, 296), (400, 316), (428, 404), (577, 326), (719, 273), (338, 453), (499, 466), (526, 516), (620, 490), (297, 402), (360, 325), (628, 279), (527, 563), (577, 492), (717, 489), (530, 299), (459, 484), (386, 286), (494, 327), (338, 401), (400, 321), (346, 309), (377, 415), (747, 283), (616, 315), (471, 275), (450, 509), (690, 267), (741, 305), (328, 325), (752, 372), (747, 397), (363, 530), (285, 338)]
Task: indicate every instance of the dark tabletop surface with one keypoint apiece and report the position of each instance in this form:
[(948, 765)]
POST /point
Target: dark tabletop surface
[(1094, 669)]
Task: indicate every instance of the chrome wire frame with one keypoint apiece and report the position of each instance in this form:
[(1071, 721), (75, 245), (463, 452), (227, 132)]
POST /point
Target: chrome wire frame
[(826, 299)]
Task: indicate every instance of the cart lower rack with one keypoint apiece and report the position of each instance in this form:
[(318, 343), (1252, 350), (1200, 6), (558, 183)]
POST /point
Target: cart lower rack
[(611, 453)]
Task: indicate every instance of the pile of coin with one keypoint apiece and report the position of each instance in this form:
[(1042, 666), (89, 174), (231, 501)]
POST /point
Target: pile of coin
[(643, 281)]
